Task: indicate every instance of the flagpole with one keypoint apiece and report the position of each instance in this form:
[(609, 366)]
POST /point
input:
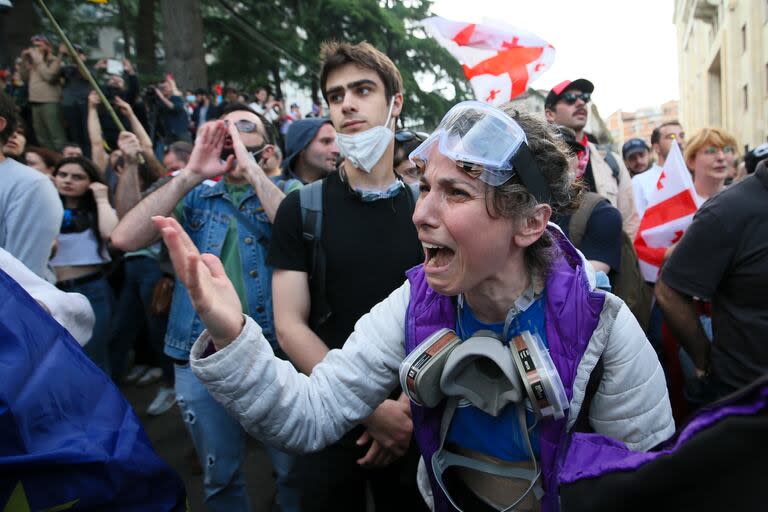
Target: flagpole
[(81, 66)]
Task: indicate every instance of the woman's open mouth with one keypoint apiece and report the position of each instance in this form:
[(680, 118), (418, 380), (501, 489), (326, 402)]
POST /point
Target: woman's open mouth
[(437, 256)]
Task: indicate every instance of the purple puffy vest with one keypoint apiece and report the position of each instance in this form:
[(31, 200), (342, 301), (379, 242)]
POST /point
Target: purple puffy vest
[(572, 313)]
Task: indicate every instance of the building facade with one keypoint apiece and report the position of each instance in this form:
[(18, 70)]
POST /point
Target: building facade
[(723, 62), (639, 124)]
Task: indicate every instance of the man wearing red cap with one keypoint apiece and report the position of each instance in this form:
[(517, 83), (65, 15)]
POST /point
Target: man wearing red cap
[(566, 105)]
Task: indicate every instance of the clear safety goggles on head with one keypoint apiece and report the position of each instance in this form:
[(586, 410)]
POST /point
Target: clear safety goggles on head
[(486, 143)]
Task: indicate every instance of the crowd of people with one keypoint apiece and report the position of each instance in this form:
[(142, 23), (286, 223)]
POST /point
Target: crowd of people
[(275, 271)]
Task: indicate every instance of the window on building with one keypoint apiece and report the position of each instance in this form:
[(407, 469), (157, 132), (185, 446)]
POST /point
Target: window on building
[(744, 38), (746, 97)]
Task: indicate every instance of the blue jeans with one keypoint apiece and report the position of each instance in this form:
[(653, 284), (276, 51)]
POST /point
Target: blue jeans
[(99, 294), (141, 275), (220, 444)]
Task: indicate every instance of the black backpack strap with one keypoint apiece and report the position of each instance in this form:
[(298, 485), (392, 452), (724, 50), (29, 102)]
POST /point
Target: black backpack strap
[(613, 164), (578, 223), (582, 420), (311, 202)]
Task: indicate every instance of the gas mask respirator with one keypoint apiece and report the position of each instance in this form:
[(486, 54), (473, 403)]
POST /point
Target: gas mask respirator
[(485, 372), (490, 375)]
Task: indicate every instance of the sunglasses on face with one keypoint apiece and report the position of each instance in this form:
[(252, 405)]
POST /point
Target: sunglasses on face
[(571, 97), (245, 126)]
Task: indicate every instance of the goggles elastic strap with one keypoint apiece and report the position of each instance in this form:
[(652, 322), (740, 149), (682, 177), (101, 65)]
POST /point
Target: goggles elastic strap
[(525, 167)]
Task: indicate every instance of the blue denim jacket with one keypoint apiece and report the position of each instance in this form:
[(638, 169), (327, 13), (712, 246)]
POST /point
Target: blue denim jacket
[(206, 219)]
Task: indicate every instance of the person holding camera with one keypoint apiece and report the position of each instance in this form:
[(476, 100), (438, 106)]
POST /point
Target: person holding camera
[(171, 113), (122, 83), (40, 69)]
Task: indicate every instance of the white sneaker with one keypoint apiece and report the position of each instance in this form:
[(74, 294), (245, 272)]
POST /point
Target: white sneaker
[(150, 377), (136, 373), (163, 401)]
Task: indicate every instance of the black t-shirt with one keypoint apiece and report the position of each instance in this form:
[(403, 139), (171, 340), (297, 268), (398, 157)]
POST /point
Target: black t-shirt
[(602, 235), (723, 257), (368, 247)]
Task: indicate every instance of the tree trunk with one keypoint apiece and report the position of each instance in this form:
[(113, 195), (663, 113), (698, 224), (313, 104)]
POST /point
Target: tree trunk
[(314, 90), (125, 16), (277, 80), (17, 25), (146, 40), (183, 43)]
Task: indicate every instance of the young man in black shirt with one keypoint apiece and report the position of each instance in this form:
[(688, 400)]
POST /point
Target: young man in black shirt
[(369, 242), (723, 257)]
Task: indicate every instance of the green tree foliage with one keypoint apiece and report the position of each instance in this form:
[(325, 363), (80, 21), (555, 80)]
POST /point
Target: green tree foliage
[(267, 41)]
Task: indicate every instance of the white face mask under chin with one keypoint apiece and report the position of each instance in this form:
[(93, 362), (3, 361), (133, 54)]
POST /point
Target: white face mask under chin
[(365, 149)]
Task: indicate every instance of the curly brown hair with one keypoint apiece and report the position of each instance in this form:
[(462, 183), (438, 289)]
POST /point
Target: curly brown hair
[(513, 200)]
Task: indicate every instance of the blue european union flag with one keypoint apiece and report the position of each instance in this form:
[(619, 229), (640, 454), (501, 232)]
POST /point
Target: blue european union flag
[(68, 438)]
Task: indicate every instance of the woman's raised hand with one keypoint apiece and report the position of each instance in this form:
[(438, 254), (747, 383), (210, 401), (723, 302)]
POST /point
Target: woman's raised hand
[(212, 293), (100, 190)]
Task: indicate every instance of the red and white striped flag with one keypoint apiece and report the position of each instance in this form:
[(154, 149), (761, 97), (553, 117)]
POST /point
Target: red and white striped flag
[(499, 61), (671, 207)]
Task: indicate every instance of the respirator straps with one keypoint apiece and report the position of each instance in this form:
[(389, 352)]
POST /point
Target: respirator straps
[(444, 459)]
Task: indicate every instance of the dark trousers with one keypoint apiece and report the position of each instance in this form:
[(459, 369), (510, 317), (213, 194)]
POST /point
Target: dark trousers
[(331, 480), (76, 122), (99, 294), (141, 275)]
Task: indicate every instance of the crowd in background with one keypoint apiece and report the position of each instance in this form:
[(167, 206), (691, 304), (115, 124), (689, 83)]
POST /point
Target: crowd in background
[(103, 176)]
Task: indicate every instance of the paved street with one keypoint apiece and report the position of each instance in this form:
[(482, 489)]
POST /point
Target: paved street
[(171, 440)]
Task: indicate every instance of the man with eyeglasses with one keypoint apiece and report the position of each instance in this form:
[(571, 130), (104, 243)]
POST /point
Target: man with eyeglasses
[(232, 219), (405, 142), (566, 105)]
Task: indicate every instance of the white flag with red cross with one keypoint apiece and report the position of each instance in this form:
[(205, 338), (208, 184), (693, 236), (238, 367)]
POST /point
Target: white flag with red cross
[(499, 61), (671, 206)]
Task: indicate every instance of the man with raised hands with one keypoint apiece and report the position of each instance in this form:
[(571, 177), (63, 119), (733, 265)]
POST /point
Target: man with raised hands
[(232, 219)]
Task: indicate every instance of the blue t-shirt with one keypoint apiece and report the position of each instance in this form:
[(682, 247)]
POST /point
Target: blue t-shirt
[(500, 436)]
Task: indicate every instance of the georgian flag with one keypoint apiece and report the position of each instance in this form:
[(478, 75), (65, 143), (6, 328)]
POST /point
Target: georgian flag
[(499, 61), (671, 207)]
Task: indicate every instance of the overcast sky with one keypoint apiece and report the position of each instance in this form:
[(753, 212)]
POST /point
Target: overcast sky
[(627, 49)]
